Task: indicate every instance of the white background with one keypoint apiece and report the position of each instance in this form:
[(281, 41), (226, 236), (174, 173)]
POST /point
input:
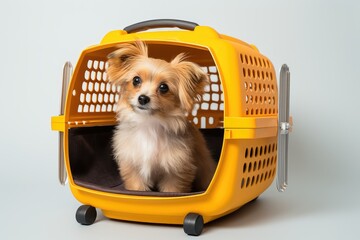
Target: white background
[(319, 40)]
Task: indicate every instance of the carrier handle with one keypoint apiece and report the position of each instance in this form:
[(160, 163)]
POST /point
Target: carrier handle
[(160, 23)]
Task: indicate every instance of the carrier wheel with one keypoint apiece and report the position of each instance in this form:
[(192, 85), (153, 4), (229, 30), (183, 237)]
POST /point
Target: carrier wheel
[(193, 224), (86, 215)]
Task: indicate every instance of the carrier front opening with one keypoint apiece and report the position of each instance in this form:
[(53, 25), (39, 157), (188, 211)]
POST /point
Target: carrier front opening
[(93, 103)]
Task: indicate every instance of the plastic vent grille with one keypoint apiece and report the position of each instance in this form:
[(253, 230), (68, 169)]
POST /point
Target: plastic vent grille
[(259, 85), (209, 112), (94, 95), (259, 165)]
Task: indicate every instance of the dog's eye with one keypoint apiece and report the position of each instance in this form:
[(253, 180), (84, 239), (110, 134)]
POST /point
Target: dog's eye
[(136, 81), (163, 88)]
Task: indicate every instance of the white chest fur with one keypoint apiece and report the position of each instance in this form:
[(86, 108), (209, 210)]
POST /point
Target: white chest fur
[(149, 147)]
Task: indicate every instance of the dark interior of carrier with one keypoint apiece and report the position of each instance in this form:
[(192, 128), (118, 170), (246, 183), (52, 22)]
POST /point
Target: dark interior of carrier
[(93, 165), (90, 148)]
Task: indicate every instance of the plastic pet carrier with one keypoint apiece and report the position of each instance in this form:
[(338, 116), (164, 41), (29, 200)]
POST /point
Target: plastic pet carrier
[(239, 116)]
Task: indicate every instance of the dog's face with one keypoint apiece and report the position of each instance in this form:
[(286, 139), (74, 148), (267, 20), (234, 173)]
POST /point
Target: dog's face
[(154, 86)]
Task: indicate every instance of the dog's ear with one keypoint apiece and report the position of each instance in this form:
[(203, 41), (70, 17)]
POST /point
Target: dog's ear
[(192, 81), (120, 60)]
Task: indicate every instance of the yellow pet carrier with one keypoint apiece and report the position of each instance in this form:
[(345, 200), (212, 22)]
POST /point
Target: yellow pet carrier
[(238, 116)]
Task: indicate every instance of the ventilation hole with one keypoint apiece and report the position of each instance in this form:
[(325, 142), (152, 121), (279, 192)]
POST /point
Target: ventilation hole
[(102, 87), (82, 98), (215, 97), (207, 88), (262, 75), (247, 182), (90, 86), (249, 73), (244, 168), (101, 65), (256, 151), (251, 152), (114, 107), (246, 152), (246, 86), (206, 97), (204, 106), (241, 58), (212, 69), (255, 166), (104, 76), (96, 64), (100, 98), (257, 179), (113, 88), (88, 98), (267, 162), (203, 122), (111, 98), (89, 64), (84, 86), (259, 164), (246, 59), (211, 120), (263, 163), (255, 87), (214, 106), (109, 108), (92, 108), (195, 120), (251, 60), (252, 180), (96, 87), (117, 96), (253, 73), (94, 98), (215, 87), (261, 177), (98, 108), (74, 92), (247, 99), (255, 60), (106, 97), (244, 72), (214, 78), (80, 108), (98, 76), (108, 87), (249, 168), (93, 75), (103, 108), (87, 75), (258, 74), (86, 108), (242, 183)]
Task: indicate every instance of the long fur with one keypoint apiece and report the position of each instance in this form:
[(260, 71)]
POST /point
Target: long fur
[(155, 146)]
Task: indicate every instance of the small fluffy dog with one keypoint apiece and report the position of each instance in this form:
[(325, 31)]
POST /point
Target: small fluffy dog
[(155, 146)]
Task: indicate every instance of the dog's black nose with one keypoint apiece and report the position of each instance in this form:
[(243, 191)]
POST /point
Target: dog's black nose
[(143, 100)]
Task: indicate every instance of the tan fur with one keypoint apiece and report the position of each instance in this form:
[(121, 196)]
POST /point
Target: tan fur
[(154, 144)]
